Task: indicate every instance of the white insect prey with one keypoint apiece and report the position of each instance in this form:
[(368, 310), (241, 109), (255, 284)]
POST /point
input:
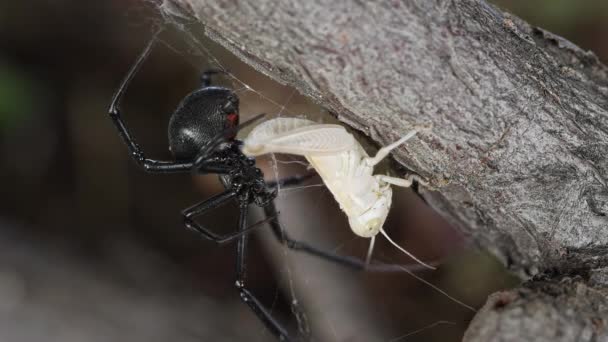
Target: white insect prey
[(344, 166)]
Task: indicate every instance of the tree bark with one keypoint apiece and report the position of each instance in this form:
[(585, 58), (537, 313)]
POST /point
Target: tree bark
[(517, 155)]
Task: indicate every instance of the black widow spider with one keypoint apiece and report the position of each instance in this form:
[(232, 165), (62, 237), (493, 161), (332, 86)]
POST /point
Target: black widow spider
[(202, 138)]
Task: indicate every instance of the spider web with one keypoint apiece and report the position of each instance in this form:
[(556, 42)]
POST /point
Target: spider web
[(199, 47)]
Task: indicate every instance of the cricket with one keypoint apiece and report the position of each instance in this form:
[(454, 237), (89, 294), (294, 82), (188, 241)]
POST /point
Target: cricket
[(343, 165)]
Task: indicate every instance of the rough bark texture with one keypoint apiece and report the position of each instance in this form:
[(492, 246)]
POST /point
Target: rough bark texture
[(518, 149)]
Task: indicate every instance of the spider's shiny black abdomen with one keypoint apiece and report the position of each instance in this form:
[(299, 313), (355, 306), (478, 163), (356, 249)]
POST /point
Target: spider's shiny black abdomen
[(199, 117)]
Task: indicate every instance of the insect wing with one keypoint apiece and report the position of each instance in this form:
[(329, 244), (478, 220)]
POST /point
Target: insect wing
[(297, 136)]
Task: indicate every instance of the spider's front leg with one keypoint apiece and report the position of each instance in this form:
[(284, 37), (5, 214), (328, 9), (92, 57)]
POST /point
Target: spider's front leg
[(149, 165)]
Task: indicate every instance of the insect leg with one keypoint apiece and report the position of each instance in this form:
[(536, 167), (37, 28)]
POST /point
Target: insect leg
[(149, 165), (383, 152), (241, 250), (348, 261), (209, 204), (403, 182)]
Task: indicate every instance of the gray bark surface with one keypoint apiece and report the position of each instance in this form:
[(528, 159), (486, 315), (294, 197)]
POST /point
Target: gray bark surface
[(517, 153)]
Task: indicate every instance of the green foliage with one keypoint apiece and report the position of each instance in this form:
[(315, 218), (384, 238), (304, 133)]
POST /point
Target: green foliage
[(17, 96)]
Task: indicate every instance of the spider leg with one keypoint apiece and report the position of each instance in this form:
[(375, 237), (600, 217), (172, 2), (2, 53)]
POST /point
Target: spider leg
[(256, 306), (291, 180), (149, 165), (212, 203), (348, 261)]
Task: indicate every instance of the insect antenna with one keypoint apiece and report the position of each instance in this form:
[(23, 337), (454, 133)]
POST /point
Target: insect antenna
[(404, 251)]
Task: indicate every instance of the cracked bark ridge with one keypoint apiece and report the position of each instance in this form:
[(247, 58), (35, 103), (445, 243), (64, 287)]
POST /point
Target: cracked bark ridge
[(566, 304), (569, 310), (520, 138)]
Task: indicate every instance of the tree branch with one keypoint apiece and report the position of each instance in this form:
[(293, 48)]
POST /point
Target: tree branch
[(518, 149)]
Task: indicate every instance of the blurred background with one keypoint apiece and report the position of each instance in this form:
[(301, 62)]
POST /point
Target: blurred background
[(93, 249)]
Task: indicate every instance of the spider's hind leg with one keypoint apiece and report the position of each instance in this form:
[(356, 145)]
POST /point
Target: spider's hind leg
[(256, 306), (348, 261)]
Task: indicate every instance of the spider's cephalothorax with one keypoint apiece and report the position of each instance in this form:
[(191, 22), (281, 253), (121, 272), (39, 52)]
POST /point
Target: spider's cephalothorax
[(202, 138), (244, 178)]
